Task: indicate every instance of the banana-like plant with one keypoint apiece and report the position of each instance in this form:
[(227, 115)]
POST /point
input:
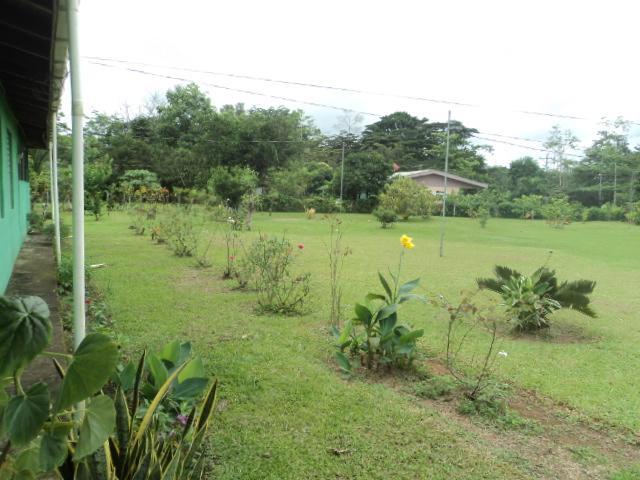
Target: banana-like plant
[(529, 300), (375, 333)]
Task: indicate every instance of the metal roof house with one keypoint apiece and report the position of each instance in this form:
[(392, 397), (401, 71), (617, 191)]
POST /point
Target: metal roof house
[(33, 66), (434, 181)]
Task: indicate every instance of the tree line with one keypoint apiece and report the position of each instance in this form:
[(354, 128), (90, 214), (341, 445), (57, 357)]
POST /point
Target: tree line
[(183, 142)]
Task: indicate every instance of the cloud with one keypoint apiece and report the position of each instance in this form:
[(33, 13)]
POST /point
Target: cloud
[(549, 56)]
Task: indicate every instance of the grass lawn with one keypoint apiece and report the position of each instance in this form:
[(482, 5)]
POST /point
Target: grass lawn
[(287, 413)]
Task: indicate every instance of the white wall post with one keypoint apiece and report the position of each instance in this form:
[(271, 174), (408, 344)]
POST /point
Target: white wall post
[(54, 181), (77, 114)]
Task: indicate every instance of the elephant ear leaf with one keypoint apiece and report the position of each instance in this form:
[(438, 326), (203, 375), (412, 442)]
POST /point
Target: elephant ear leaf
[(98, 423), (93, 363), (54, 446), (25, 330), (26, 413)]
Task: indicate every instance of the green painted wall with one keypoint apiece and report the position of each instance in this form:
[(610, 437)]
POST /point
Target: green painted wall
[(15, 201)]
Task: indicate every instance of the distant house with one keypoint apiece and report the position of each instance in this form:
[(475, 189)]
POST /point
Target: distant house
[(434, 181), (32, 71)]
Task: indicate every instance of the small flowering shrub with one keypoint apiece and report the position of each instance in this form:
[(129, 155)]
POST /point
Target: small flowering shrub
[(139, 221), (375, 336), (181, 234), (233, 245), (267, 267), (201, 252)]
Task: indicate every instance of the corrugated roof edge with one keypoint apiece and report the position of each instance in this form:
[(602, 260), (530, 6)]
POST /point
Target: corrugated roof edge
[(432, 171), (59, 57)]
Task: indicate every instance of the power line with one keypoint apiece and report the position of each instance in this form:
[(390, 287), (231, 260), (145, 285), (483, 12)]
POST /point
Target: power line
[(323, 105), (346, 89), (249, 92), (523, 146), (519, 138)]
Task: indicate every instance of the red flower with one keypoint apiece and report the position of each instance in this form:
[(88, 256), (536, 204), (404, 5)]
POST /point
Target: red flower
[(87, 301), (301, 246), (232, 257)]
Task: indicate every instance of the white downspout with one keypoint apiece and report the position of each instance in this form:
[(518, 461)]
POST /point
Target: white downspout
[(53, 210), (77, 115), (54, 180)]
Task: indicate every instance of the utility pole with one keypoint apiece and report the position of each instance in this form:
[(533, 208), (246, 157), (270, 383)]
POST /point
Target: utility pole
[(342, 173), (615, 182), (446, 177), (600, 189)]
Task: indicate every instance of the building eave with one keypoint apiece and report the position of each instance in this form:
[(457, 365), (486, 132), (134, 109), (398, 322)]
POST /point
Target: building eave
[(33, 48), (440, 173)]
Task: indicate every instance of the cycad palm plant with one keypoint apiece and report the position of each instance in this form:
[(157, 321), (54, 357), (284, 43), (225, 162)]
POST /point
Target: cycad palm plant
[(530, 299)]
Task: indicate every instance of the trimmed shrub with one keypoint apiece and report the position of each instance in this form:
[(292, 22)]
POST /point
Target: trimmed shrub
[(385, 216)]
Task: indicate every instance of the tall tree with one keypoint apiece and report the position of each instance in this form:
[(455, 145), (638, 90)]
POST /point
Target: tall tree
[(411, 137), (526, 178), (559, 142)]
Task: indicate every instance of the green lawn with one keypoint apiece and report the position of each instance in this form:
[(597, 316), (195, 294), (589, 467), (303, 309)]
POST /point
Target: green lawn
[(285, 407)]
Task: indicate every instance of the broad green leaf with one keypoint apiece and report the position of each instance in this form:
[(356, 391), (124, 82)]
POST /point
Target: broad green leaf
[(25, 331), (157, 369), (387, 324), (193, 369), (189, 388), (405, 348), (4, 396), (171, 352), (27, 463), (98, 423), (375, 296), (411, 336), (335, 331), (343, 362), (127, 376), (411, 296), (387, 311), (53, 446), (363, 314), (148, 416), (346, 332), (25, 414), (185, 352), (407, 287), (385, 285), (82, 472), (93, 363)]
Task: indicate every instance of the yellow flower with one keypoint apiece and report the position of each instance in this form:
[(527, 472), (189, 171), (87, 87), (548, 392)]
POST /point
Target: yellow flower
[(406, 242)]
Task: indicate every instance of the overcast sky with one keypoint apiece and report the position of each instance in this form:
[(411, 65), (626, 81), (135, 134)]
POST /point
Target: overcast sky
[(565, 57)]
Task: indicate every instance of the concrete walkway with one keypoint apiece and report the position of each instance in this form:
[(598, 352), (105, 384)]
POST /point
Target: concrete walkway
[(35, 274)]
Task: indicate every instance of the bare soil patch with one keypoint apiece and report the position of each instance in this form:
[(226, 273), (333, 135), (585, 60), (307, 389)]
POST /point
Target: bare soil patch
[(562, 444)]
